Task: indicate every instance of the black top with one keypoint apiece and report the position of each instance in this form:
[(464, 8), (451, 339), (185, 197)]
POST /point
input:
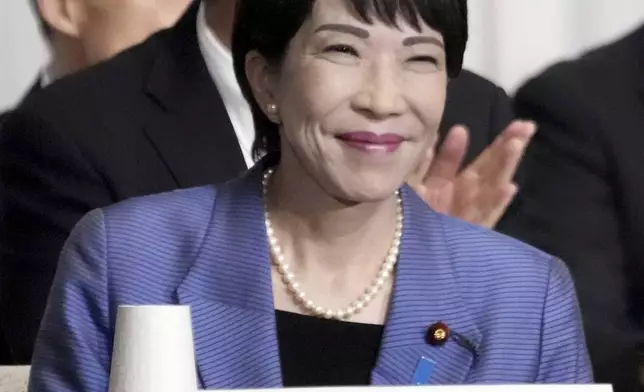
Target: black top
[(320, 352)]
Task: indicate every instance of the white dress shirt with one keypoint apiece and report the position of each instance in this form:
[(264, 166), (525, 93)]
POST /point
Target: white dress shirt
[(219, 61)]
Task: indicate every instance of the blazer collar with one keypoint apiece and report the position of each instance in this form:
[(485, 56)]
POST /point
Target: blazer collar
[(230, 291), (192, 130)]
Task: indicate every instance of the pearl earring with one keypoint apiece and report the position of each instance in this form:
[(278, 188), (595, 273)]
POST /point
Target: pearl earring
[(271, 108)]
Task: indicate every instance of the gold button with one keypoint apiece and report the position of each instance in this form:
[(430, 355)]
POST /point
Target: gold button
[(440, 334)]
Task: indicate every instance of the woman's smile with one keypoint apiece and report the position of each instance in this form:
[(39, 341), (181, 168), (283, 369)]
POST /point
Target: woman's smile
[(372, 143)]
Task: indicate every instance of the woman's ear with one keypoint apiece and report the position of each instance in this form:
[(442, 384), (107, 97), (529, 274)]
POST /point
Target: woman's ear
[(64, 16), (262, 82)]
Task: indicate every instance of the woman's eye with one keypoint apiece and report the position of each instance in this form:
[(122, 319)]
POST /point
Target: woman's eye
[(344, 49), (424, 59)]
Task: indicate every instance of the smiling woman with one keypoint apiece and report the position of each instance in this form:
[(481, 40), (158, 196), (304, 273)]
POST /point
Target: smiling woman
[(319, 266), (448, 18), (343, 86)]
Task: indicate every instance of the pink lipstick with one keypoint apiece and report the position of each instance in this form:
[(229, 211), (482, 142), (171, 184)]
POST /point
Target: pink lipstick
[(371, 142)]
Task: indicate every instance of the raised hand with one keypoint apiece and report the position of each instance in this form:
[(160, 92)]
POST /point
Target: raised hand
[(481, 192)]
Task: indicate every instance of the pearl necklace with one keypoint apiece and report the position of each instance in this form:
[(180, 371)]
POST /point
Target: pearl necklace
[(293, 286)]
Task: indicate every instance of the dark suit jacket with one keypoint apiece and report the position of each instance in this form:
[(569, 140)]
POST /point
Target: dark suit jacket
[(583, 198), (5, 352), (149, 120)]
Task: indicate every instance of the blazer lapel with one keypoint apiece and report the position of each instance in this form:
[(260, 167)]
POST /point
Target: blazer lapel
[(192, 131), (230, 293), (426, 291)]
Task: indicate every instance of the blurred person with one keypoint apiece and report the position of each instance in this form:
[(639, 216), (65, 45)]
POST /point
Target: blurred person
[(319, 267), (82, 33), (583, 198), (79, 34), (169, 114)]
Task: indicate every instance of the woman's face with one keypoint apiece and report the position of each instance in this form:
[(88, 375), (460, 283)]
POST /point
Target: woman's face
[(358, 103)]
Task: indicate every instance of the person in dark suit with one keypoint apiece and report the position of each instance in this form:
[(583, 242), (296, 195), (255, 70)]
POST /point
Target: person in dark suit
[(165, 114), (583, 198), (97, 31)]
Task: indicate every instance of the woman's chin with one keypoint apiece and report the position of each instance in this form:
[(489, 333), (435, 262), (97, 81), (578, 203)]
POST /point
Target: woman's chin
[(365, 192)]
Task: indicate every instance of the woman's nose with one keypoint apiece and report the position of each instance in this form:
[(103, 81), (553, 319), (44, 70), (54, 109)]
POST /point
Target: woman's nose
[(381, 95)]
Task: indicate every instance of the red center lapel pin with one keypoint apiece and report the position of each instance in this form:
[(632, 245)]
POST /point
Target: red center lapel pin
[(437, 334)]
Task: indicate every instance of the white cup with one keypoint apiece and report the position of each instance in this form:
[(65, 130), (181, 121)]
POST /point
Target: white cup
[(153, 350)]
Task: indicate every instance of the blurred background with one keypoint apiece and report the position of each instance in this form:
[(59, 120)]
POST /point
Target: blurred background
[(511, 40)]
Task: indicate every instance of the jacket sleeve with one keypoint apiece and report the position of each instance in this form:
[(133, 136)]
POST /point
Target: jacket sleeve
[(73, 347), (47, 185), (564, 357)]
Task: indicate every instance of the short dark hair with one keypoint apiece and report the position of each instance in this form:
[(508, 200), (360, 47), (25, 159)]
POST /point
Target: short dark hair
[(268, 26), (44, 27)]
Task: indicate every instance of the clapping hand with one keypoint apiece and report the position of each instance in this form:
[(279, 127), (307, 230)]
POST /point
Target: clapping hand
[(481, 192)]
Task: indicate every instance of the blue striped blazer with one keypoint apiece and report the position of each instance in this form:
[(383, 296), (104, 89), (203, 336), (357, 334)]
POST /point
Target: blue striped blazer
[(206, 247)]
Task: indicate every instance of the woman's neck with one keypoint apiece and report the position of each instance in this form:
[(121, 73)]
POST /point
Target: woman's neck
[(319, 233)]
